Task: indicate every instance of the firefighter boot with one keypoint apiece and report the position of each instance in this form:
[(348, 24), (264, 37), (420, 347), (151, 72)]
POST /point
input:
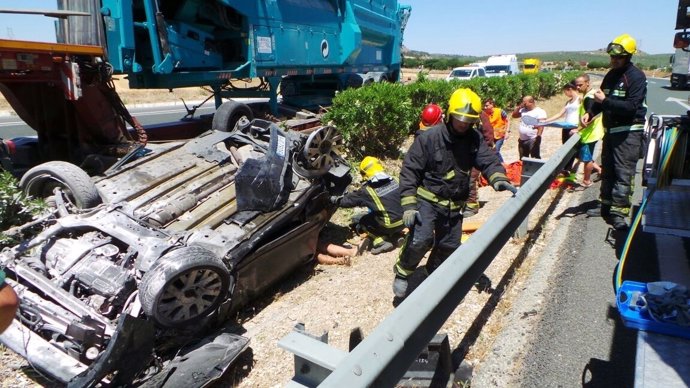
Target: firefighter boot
[(599, 211), (617, 222), (381, 248), (399, 287), (471, 209)]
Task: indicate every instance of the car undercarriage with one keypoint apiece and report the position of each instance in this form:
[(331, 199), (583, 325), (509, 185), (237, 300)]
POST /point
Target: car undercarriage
[(132, 277)]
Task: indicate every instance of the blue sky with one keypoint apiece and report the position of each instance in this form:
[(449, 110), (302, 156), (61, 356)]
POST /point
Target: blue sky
[(478, 27)]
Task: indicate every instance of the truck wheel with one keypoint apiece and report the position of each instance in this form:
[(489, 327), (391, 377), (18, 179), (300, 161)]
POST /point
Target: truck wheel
[(40, 181), (183, 286), (229, 113)]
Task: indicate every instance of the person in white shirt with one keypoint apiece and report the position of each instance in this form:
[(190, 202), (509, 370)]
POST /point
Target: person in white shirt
[(529, 143), (571, 113)]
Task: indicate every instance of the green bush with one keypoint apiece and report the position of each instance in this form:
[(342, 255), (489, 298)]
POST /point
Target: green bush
[(15, 208), (375, 120)]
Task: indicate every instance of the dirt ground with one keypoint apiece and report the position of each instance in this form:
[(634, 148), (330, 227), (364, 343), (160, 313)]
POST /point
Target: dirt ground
[(336, 299)]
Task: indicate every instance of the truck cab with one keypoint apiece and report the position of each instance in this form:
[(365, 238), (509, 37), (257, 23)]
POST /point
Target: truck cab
[(531, 65), (680, 61), (502, 65)]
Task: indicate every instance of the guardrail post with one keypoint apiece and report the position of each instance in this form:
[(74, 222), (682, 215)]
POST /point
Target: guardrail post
[(529, 168)]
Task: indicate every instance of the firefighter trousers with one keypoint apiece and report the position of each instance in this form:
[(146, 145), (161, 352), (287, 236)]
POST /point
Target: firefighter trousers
[(378, 231), (440, 230), (619, 156)]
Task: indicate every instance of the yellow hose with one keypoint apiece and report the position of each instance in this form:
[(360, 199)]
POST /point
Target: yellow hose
[(666, 153)]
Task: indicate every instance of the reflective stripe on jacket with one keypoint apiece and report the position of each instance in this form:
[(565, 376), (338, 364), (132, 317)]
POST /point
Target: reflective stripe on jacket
[(381, 197), (625, 90), (440, 163)]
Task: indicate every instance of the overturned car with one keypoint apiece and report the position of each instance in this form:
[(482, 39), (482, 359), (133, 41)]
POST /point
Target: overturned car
[(134, 275)]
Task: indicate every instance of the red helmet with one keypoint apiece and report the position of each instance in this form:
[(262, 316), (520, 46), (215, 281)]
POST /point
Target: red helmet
[(432, 115)]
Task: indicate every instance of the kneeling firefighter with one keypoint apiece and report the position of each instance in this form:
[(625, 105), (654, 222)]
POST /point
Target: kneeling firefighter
[(434, 185), (380, 193)]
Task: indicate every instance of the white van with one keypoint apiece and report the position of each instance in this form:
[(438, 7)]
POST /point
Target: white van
[(466, 72), (502, 65)]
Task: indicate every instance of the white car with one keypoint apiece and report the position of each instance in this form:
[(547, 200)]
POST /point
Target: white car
[(466, 72)]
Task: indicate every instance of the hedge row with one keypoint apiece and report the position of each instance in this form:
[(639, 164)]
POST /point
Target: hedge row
[(375, 120)]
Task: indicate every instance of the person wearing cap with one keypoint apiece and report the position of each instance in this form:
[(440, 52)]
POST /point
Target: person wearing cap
[(621, 102), (434, 185), (380, 194)]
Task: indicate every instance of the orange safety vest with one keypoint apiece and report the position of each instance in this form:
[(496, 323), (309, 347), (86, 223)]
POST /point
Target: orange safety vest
[(498, 123)]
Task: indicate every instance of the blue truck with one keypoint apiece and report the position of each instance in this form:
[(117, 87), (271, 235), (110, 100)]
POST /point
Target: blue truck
[(304, 49), (301, 50)]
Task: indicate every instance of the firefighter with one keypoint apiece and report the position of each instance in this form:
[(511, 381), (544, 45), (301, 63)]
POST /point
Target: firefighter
[(380, 193), (432, 114), (434, 185), (621, 101)]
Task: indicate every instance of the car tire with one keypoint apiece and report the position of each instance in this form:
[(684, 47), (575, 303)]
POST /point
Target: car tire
[(229, 113), (40, 181), (319, 153), (184, 286)]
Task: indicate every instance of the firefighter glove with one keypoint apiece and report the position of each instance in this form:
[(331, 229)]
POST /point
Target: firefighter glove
[(411, 217), (335, 199), (505, 185)]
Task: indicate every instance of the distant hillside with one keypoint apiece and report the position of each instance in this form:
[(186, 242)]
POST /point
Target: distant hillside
[(644, 59)]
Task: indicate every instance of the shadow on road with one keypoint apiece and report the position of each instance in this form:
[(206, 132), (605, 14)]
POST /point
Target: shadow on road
[(616, 372)]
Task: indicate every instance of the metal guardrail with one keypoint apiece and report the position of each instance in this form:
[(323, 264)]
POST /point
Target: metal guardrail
[(384, 356)]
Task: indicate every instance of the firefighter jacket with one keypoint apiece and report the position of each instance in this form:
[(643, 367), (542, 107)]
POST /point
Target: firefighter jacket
[(437, 167), (381, 195), (624, 106)]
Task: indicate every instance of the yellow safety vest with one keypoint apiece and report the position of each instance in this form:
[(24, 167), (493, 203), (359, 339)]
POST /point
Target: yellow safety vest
[(594, 131)]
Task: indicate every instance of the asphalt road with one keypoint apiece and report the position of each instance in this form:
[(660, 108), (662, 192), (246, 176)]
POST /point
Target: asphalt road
[(13, 126), (578, 338)]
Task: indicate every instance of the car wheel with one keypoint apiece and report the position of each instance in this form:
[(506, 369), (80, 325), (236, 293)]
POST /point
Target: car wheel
[(229, 113), (319, 153), (40, 181), (183, 286)]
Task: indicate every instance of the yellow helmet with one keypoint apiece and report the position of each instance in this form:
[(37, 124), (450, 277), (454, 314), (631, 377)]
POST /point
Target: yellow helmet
[(465, 105), (370, 166), (622, 45)]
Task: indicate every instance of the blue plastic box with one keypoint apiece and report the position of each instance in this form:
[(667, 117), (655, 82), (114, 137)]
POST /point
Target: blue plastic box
[(638, 318)]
